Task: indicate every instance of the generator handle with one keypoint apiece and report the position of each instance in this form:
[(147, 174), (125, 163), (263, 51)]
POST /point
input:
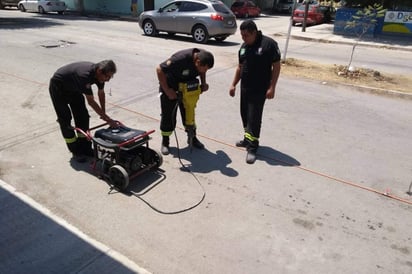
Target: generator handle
[(86, 134), (136, 138), (105, 124), (101, 125)]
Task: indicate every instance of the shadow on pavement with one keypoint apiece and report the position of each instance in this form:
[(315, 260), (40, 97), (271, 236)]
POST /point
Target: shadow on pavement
[(205, 161), (32, 242), (148, 179), (275, 157), (187, 38), (26, 23)]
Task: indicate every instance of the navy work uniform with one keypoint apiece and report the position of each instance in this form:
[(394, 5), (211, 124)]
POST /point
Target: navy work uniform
[(256, 61), (66, 88), (179, 68)]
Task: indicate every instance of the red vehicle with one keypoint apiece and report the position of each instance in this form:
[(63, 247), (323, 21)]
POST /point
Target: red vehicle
[(245, 8), (315, 15)]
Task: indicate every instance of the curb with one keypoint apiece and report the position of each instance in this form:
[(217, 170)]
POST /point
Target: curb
[(378, 91), (365, 89), (381, 46)]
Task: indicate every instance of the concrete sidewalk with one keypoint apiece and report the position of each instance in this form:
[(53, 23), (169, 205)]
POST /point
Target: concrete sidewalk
[(35, 240)]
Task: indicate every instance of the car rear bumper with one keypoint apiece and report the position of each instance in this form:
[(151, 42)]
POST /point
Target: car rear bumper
[(218, 30)]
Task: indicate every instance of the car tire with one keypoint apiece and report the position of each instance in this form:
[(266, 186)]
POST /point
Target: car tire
[(200, 34), (22, 8), (41, 10), (149, 28)]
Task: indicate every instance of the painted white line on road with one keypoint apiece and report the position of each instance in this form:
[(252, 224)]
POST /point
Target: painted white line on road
[(98, 245)]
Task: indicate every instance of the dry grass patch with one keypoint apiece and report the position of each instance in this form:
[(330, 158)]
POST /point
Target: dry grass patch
[(340, 74)]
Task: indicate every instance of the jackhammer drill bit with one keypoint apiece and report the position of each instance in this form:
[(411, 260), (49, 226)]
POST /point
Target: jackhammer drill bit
[(190, 135)]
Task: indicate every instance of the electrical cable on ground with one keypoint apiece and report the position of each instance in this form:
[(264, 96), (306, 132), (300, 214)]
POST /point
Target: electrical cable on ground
[(140, 196), (353, 184)]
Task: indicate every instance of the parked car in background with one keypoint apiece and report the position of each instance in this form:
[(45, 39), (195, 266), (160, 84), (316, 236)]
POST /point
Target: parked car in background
[(315, 15), (329, 13), (202, 19), (283, 5), (42, 6), (245, 8), (8, 3)]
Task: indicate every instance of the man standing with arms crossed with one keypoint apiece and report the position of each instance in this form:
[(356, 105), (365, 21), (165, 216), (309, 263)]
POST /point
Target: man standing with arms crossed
[(258, 70)]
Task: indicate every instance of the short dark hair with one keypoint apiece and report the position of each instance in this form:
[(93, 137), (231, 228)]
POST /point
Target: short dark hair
[(248, 25), (107, 66), (206, 58)]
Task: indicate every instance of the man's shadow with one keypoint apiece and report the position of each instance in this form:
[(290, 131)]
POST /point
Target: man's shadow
[(204, 161), (275, 157)]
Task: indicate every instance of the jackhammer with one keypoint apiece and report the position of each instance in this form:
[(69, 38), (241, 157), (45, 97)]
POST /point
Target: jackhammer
[(189, 93)]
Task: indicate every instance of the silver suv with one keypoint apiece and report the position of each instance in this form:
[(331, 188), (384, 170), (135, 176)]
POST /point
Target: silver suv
[(202, 19), (8, 3)]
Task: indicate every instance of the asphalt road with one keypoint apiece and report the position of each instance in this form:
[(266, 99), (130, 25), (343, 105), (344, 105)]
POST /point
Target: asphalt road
[(327, 193)]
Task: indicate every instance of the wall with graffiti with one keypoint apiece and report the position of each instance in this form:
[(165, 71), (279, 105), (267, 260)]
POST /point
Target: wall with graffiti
[(398, 22)]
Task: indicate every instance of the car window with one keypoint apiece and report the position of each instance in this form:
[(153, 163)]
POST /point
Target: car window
[(237, 4), (191, 6), (171, 7), (302, 7), (220, 7)]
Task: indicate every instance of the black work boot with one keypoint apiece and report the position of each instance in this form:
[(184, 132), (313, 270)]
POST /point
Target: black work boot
[(78, 156), (242, 143), (164, 149), (251, 152), (85, 147), (197, 144), (192, 139)]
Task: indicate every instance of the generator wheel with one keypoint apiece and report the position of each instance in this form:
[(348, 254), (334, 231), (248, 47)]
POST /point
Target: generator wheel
[(157, 158), (118, 177)]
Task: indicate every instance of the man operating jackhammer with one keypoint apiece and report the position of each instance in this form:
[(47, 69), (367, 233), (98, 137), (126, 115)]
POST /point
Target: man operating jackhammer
[(180, 88)]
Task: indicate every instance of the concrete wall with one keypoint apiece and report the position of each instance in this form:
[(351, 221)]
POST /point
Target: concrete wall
[(122, 7), (104, 7)]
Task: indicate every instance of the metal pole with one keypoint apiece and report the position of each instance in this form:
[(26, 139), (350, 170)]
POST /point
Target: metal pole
[(289, 31), (306, 16)]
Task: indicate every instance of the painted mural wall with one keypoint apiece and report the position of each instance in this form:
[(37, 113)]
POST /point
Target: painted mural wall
[(398, 22), (394, 22)]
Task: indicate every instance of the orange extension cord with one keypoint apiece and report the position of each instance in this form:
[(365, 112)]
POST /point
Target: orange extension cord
[(384, 193)]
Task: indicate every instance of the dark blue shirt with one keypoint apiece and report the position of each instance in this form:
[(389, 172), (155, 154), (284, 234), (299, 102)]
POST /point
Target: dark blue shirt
[(180, 67), (77, 77), (257, 60)]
